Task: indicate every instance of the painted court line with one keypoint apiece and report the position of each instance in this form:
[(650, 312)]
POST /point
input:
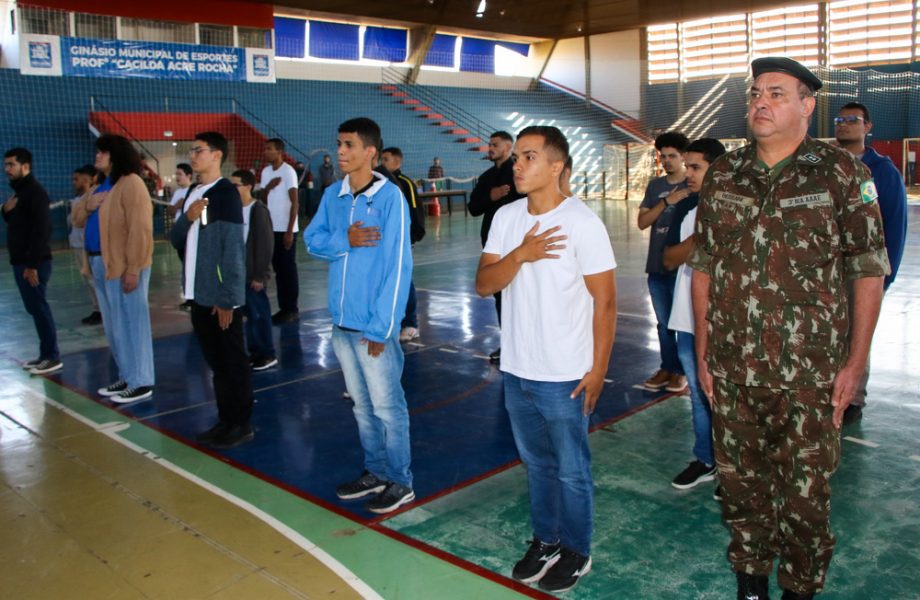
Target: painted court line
[(915, 457), (861, 442), (110, 430), (449, 350)]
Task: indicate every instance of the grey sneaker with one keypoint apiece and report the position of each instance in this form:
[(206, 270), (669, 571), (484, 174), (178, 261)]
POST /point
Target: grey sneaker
[(113, 389), (132, 394), (31, 364), (390, 499), (366, 484), (46, 366)]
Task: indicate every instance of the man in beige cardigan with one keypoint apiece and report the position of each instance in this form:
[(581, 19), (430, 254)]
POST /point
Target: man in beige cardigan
[(118, 223)]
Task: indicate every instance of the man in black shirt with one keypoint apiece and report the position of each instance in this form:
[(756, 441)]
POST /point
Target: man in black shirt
[(28, 217), (495, 189)]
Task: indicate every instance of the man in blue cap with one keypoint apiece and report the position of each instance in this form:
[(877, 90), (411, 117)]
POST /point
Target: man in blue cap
[(785, 226)]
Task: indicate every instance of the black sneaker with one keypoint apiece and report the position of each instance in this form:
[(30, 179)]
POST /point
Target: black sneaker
[(852, 414), (260, 364), (717, 494), (46, 366), (132, 394), (495, 357), (31, 364), (695, 474), (113, 389), (206, 437), (390, 499), (565, 574), (366, 484), (232, 436), (753, 587), (285, 316), (536, 562), (94, 318), (787, 595), (186, 306)]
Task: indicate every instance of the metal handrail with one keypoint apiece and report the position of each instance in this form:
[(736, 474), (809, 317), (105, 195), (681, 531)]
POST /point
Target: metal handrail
[(95, 100)]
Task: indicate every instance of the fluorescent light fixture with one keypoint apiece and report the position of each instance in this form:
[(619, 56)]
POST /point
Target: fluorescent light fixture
[(482, 9)]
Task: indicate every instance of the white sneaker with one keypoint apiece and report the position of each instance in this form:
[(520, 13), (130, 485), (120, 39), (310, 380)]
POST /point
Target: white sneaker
[(407, 334)]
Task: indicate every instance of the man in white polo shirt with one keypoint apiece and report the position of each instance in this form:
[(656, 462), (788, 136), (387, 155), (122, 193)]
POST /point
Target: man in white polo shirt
[(279, 191), (551, 258)]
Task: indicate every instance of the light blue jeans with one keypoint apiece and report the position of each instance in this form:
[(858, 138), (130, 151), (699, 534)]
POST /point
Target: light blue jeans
[(126, 319), (380, 404), (551, 433), (702, 413)]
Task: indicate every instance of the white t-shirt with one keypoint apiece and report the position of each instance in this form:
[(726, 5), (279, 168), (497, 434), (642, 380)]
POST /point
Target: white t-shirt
[(191, 241), (547, 312), (682, 306), (177, 197), (279, 201), (247, 212)]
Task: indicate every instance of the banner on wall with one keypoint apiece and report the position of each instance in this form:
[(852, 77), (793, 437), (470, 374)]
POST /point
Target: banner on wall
[(82, 57)]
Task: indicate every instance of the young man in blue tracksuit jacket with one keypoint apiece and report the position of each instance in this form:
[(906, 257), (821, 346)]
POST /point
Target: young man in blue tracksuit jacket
[(362, 229)]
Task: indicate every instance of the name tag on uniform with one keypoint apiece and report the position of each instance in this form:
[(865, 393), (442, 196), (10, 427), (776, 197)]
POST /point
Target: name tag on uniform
[(822, 199), (723, 196)]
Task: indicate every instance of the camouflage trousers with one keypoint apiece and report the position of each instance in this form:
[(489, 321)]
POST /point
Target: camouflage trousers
[(776, 451)]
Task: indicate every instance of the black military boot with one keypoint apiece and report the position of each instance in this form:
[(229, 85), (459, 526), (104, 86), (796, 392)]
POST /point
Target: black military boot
[(753, 587), (787, 595)]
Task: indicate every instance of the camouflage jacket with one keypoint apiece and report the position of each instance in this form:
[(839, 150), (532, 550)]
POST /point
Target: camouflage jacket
[(779, 254)]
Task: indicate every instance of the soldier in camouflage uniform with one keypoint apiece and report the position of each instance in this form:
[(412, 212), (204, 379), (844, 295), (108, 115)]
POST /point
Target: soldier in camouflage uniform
[(783, 225)]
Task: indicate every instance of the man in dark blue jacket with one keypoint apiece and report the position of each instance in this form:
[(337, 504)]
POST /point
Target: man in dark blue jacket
[(211, 230), (852, 126), (362, 229), (27, 214)]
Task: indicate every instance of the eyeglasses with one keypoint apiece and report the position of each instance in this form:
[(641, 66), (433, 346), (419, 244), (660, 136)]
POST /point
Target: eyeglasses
[(848, 119), (196, 150)]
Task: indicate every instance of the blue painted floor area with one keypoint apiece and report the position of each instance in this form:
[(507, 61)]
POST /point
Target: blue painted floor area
[(306, 438)]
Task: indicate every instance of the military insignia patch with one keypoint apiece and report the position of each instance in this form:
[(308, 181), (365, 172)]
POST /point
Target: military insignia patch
[(812, 158), (868, 191)]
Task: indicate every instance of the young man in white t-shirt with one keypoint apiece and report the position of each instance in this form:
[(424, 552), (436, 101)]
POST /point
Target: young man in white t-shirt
[(279, 191), (678, 246), (183, 179), (551, 258)]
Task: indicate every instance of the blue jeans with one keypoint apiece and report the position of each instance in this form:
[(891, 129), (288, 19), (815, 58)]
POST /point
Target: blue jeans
[(380, 404), (411, 318), (702, 412), (661, 289), (259, 324), (126, 319), (36, 304), (551, 434)]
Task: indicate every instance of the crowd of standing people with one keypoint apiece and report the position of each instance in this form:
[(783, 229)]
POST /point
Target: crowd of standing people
[(766, 270)]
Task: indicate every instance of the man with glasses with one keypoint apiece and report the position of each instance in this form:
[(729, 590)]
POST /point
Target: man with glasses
[(784, 227), (211, 231), (852, 127)]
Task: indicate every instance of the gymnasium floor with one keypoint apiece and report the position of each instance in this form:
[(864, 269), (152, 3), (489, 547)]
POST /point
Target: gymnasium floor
[(101, 501)]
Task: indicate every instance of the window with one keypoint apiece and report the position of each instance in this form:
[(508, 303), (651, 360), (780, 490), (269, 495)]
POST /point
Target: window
[(793, 32), (100, 27), (663, 58), (716, 46), (215, 35), (147, 30), (870, 32), (44, 21), (254, 37)]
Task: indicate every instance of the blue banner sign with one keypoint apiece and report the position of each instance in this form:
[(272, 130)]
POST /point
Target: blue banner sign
[(81, 57)]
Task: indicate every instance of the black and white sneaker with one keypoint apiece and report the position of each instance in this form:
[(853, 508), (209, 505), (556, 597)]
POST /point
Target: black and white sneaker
[(31, 364), (753, 587), (46, 366), (390, 499), (113, 389), (363, 486), (132, 394), (536, 562), (563, 576), (695, 474), (717, 494), (260, 364)]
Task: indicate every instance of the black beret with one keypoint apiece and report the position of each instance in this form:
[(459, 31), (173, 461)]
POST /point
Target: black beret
[(781, 64)]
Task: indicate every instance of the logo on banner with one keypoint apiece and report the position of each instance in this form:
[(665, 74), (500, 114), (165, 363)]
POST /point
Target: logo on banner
[(40, 55), (260, 65)]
